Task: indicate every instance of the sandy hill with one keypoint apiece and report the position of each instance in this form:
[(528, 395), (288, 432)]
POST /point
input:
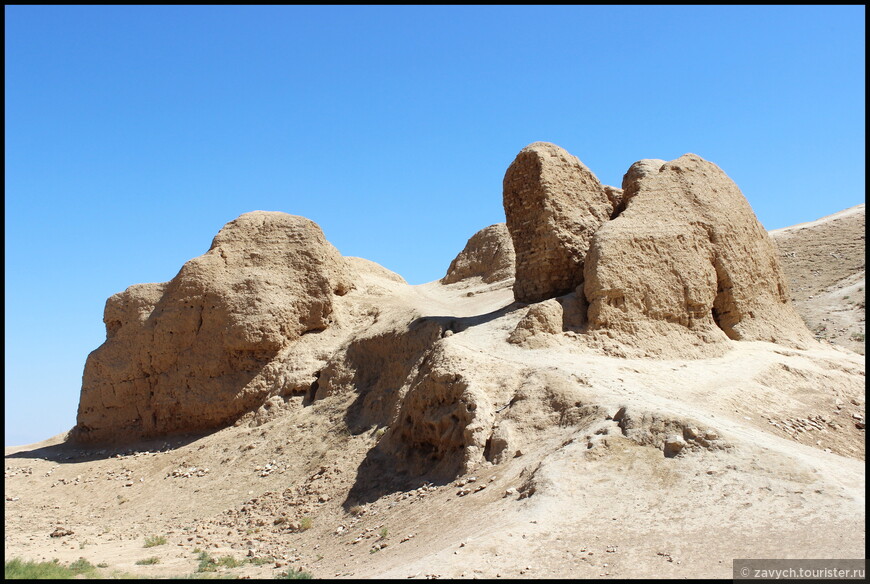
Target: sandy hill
[(615, 382), (824, 261)]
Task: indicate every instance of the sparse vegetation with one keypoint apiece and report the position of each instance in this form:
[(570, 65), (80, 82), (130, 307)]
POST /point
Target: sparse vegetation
[(357, 510), (261, 560), (148, 561), (229, 562), (384, 533), (297, 575), (154, 540), (858, 337), (17, 569), (306, 523), (206, 562), (379, 433), (210, 564), (81, 566)]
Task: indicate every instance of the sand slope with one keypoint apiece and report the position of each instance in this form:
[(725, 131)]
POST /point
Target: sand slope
[(824, 262)]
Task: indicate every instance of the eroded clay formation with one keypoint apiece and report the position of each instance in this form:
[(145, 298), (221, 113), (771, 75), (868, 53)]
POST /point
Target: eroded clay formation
[(488, 255), (673, 264), (683, 262), (181, 355), (553, 205)]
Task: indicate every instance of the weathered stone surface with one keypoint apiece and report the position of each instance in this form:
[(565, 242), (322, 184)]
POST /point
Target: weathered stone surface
[(553, 205), (180, 356), (687, 258), (445, 418), (488, 255), (542, 318), (615, 196)]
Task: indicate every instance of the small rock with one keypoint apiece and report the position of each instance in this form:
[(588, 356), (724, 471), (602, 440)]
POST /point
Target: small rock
[(674, 444), (61, 532)]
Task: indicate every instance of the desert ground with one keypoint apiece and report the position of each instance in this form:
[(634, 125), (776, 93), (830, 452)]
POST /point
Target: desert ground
[(601, 463)]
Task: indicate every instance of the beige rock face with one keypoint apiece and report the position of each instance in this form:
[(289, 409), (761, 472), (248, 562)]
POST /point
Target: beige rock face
[(375, 365), (687, 258), (553, 205), (614, 195), (181, 356), (445, 417), (544, 317), (488, 255)]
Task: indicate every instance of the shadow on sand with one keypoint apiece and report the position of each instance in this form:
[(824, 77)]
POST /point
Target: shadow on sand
[(71, 452)]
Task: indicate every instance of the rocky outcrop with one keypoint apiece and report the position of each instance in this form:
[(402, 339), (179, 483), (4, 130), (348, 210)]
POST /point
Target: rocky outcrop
[(375, 366), (488, 255), (553, 205), (543, 318), (461, 408), (674, 263), (687, 260), (444, 419), (181, 356)]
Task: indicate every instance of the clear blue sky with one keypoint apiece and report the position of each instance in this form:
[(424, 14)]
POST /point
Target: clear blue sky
[(133, 134)]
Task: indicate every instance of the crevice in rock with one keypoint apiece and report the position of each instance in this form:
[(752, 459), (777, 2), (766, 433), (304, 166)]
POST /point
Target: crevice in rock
[(312, 389), (618, 209), (723, 311), (487, 450)]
